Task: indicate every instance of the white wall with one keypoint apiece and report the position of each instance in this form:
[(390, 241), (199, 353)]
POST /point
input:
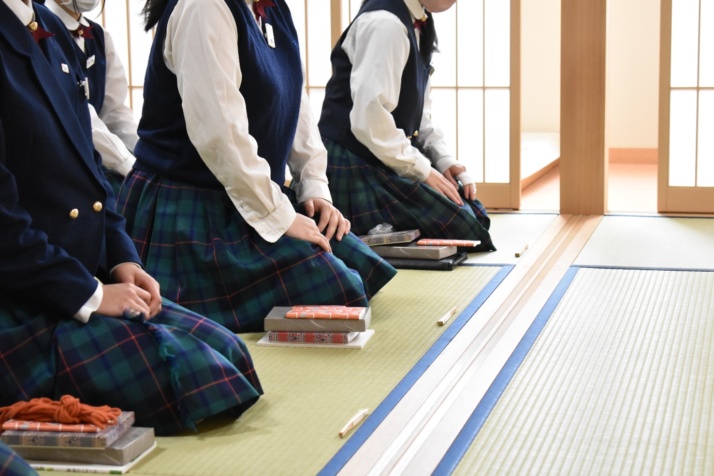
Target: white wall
[(632, 85), (632, 70), (540, 65)]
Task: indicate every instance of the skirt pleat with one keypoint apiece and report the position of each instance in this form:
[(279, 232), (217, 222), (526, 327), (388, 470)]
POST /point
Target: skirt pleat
[(12, 464), (208, 259), (172, 371), (370, 195)]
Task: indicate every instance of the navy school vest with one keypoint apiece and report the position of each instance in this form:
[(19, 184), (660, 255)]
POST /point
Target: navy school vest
[(271, 86), (334, 121)]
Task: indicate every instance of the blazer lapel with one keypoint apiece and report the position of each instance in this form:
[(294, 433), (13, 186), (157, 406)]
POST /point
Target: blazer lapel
[(47, 69)]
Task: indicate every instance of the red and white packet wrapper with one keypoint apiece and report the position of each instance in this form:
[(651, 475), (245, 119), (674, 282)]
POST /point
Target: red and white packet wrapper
[(447, 242), (325, 312)]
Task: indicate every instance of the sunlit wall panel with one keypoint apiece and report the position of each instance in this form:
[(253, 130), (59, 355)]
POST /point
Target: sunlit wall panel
[(691, 151), (349, 11), (318, 42), (123, 20), (139, 41), (706, 44), (477, 67), (471, 132), (136, 97), (115, 18), (705, 150), (444, 61), (470, 52), (685, 40), (497, 34), (683, 137), (497, 133), (442, 113), (317, 97), (297, 10)]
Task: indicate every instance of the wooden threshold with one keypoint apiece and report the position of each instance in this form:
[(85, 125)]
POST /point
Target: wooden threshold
[(632, 155), (527, 181), (416, 434)]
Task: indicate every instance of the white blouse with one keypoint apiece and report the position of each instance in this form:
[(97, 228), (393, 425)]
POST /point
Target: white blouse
[(200, 49)]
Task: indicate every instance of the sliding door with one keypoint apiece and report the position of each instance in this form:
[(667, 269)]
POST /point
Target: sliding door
[(686, 140), (476, 94)]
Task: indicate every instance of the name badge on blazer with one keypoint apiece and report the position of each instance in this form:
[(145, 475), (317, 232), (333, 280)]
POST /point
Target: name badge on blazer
[(269, 37), (90, 61), (84, 87)]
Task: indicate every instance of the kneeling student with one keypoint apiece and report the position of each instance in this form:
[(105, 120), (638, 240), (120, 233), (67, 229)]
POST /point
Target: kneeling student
[(78, 314)]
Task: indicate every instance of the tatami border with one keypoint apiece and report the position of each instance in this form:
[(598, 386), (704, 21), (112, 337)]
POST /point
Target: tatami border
[(373, 421), (468, 433)]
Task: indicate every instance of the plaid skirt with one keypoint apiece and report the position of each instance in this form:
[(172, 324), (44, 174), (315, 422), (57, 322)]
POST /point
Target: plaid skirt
[(368, 195), (12, 464), (172, 371), (208, 259)]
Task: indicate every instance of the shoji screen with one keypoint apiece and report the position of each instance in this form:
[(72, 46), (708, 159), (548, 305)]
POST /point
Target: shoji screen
[(475, 97), (686, 170), (691, 147), (123, 20)]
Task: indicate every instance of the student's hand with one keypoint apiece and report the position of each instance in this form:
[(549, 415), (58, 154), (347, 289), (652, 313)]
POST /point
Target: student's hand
[(439, 183), (304, 228), (454, 171), (122, 297), (132, 274), (469, 191), (331, 222)]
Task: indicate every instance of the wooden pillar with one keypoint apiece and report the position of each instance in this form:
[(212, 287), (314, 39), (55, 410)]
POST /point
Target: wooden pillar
[(335, 20), (583, 165)]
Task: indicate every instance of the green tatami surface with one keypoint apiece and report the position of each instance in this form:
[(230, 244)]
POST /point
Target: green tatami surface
[(311, 393)]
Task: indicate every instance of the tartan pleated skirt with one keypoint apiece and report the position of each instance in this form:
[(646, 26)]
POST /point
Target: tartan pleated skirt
[(207, 258), (172, 370), (370, 195), (12, 464)]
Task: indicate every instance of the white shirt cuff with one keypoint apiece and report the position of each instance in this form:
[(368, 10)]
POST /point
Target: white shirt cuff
[(91, 305), (465, 178), (274, 225), (307, 189)]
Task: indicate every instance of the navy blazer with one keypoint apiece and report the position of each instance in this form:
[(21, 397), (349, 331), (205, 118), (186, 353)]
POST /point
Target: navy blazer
[(58, 227)]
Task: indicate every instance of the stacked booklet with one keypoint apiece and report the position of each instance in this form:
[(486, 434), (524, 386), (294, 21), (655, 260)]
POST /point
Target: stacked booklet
[(318, 326), (404, 249), (391, 238), (80, 447)]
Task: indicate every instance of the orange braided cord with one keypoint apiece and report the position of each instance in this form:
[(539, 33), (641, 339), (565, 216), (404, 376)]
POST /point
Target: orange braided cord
[(67, 410)]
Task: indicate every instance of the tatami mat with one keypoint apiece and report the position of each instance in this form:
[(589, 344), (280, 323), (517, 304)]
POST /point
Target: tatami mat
[(614, 384), (617, 383), (311, 393), (513, 233), (651, 242)]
